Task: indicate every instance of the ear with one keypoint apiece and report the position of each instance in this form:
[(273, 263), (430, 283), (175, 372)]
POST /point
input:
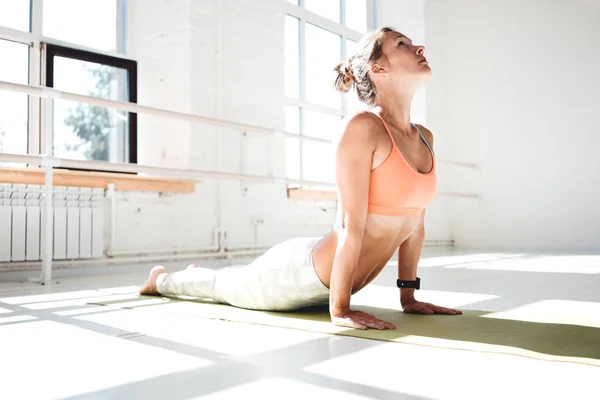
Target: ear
[(377, 69)]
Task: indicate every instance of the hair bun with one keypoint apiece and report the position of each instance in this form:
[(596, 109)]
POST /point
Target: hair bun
[(343, 77)]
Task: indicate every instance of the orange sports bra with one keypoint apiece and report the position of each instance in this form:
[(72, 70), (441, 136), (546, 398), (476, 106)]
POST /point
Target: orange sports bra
[(396, 188)]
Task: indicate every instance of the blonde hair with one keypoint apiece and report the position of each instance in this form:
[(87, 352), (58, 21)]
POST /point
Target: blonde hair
[(355, 71)]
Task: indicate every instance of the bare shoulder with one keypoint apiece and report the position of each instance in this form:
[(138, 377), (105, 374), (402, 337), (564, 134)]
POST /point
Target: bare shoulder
[(362, 117), (359, 127), (426, 133)]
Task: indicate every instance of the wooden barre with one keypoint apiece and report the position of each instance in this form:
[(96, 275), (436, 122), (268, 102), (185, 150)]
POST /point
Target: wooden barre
[(132, 182)]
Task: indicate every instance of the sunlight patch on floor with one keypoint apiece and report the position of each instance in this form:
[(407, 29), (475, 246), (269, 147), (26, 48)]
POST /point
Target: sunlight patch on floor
[(78, 294), (552, 264), (230, 338), (76, 302), (570, 312), (482, 375), (51, 356), (446, 261), (281, 388), (16, 318)]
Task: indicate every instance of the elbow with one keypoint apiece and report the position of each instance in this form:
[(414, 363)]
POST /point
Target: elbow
[(353, 225), (352, 231), (350, 236)]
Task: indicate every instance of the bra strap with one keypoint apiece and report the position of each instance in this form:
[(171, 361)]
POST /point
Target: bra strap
[(387, 129), (385, 126), (423, 138)]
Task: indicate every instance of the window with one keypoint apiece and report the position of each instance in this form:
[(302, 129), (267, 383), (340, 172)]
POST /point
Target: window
[(81, 52), (292, 57), (328, 9), (13, 106), (356, 15), (14, 14), (353, 102), (89, 23), (87, 132), (318, 35), (323, 51)]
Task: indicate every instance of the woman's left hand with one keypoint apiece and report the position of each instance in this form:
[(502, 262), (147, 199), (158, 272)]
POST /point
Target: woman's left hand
[(416, 307)]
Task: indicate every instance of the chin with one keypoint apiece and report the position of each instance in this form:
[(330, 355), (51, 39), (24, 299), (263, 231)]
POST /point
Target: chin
[(425, 73)]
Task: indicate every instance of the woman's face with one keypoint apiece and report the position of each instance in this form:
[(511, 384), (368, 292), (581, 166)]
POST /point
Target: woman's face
[(403, 65)]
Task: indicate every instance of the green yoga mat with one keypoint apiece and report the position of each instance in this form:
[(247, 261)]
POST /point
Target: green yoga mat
[(473, 331)]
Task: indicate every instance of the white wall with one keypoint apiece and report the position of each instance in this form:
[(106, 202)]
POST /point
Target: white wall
[(221, 59), (516, 89)]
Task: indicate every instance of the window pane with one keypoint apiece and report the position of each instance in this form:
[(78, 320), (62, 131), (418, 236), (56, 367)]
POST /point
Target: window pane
[(351, 47), (83, 131), (14, 14), (352, 101), (317, 162), (90, 23), (356, 15), (329, 9), (292, 119), (292, 158), (323, 52), (320, 125), (13, 106), (292, 57)]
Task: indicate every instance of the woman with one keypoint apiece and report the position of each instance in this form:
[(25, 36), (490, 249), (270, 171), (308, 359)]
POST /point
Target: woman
[(385, 178)]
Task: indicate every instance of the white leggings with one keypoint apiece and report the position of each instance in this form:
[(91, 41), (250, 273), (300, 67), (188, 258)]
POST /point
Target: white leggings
[(282, 279)]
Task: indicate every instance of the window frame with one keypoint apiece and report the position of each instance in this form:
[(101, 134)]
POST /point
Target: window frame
[(37, 118), (130, 66), (305, 16)]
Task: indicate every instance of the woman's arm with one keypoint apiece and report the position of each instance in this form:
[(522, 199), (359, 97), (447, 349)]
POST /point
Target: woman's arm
[(409, 255), (354, 158)]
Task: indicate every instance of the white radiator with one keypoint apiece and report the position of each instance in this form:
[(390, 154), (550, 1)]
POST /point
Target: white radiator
[(78, 222)]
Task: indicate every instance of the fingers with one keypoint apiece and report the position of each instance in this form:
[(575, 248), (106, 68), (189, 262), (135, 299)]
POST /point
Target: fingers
[(369, 321), (420, 308), (360, 320), (349, 323), (429, 309), (444, 310), (380, 324), (377, 324)]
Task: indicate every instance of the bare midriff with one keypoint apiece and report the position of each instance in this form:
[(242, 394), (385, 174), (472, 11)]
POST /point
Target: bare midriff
[(383, 235)]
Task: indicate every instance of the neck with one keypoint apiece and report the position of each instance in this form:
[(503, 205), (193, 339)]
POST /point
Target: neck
[(395, 109)]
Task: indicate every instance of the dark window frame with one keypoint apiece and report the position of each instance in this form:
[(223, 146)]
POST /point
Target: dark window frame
[(130, 66)]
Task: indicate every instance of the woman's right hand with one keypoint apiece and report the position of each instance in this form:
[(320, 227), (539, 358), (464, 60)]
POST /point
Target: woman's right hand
[(359, 320)]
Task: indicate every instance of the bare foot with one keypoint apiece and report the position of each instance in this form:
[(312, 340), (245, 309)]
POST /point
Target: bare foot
[(149, 287), (193, 266)]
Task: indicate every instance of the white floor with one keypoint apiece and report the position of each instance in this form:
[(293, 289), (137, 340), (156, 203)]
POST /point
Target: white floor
[(53, 346)]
